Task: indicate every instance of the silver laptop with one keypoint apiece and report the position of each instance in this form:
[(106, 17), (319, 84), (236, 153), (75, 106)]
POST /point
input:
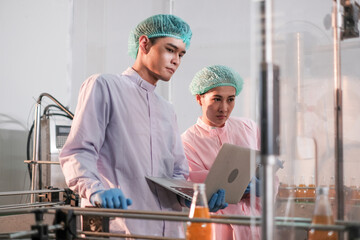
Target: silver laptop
[(230, 171)]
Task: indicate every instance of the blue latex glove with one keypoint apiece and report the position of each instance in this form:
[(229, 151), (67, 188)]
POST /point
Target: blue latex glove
[(279, 164), (247, 191), (112, 198), (217, 201), (257, 190)]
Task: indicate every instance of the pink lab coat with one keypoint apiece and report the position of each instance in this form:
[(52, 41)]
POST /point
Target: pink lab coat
[(201, 144)]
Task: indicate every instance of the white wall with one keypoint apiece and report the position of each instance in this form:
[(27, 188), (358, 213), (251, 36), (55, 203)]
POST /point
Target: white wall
[(53, 46), (101, 30), (33, 59), (34, 55)]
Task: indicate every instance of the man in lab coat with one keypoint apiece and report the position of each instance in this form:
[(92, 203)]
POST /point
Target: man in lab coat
[(123, 131)]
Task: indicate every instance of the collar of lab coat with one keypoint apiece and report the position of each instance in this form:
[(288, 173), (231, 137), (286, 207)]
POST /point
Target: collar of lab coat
[(213, 131), (135, 77)]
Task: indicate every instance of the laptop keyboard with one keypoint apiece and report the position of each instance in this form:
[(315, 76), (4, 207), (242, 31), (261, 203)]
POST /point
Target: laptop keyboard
[(187, 191)]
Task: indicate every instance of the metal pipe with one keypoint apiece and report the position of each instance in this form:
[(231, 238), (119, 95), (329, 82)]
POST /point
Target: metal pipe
[(339, 161), (29, 192), (28, 205), (166, 217), (301, 226), (228, 219), (70, 114), (55, 227), (36, 149), (302, 223), (21, 234), (41, 162), (267, 200), (269, 116), (142, 212), (119, 235)]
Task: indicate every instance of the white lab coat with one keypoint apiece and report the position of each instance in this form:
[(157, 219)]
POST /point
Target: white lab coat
[(123, 131)]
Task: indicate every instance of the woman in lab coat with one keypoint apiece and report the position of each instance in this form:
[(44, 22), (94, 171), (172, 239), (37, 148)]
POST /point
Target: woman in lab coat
[(215, 89)]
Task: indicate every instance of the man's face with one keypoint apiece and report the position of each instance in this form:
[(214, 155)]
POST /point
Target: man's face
[(164, 57), (217, 105)]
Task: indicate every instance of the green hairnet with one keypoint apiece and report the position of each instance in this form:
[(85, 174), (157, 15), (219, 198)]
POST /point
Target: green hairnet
[(161, 25), (215, 76)]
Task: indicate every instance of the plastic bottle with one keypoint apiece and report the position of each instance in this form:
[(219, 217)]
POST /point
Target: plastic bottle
[(322, 215), (199, 209)]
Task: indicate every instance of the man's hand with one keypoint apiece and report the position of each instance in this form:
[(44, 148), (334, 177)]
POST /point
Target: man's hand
[(112, 198)]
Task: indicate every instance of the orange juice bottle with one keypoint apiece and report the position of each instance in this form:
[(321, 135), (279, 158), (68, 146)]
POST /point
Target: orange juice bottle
[(283, 191), (293, 189), (301, 191), (199, 209), (322, 215), (283, 188), (355, 196), (310, 194)]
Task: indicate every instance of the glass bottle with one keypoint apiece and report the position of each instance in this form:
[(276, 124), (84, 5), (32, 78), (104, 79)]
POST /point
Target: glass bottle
[(355, 191), (322, 215), (332, 192), (199, 209), (301, 191), (293, 189), (323, 182), (283, 191), (310, 194)]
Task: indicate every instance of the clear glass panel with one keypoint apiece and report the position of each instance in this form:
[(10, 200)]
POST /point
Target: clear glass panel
[(303, 48)]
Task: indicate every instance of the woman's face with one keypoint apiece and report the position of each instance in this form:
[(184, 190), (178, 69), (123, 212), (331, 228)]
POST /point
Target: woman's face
[(217, 105)]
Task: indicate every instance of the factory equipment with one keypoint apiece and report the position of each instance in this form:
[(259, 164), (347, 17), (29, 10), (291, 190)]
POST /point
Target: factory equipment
[(64, 224), (54, 132), (319, 134), (49, 131)]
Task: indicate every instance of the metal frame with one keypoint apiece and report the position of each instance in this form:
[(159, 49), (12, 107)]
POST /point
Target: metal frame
[(300, 223)]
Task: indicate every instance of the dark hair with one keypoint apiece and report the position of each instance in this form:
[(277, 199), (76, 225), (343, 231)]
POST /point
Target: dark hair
[(154, 39)]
